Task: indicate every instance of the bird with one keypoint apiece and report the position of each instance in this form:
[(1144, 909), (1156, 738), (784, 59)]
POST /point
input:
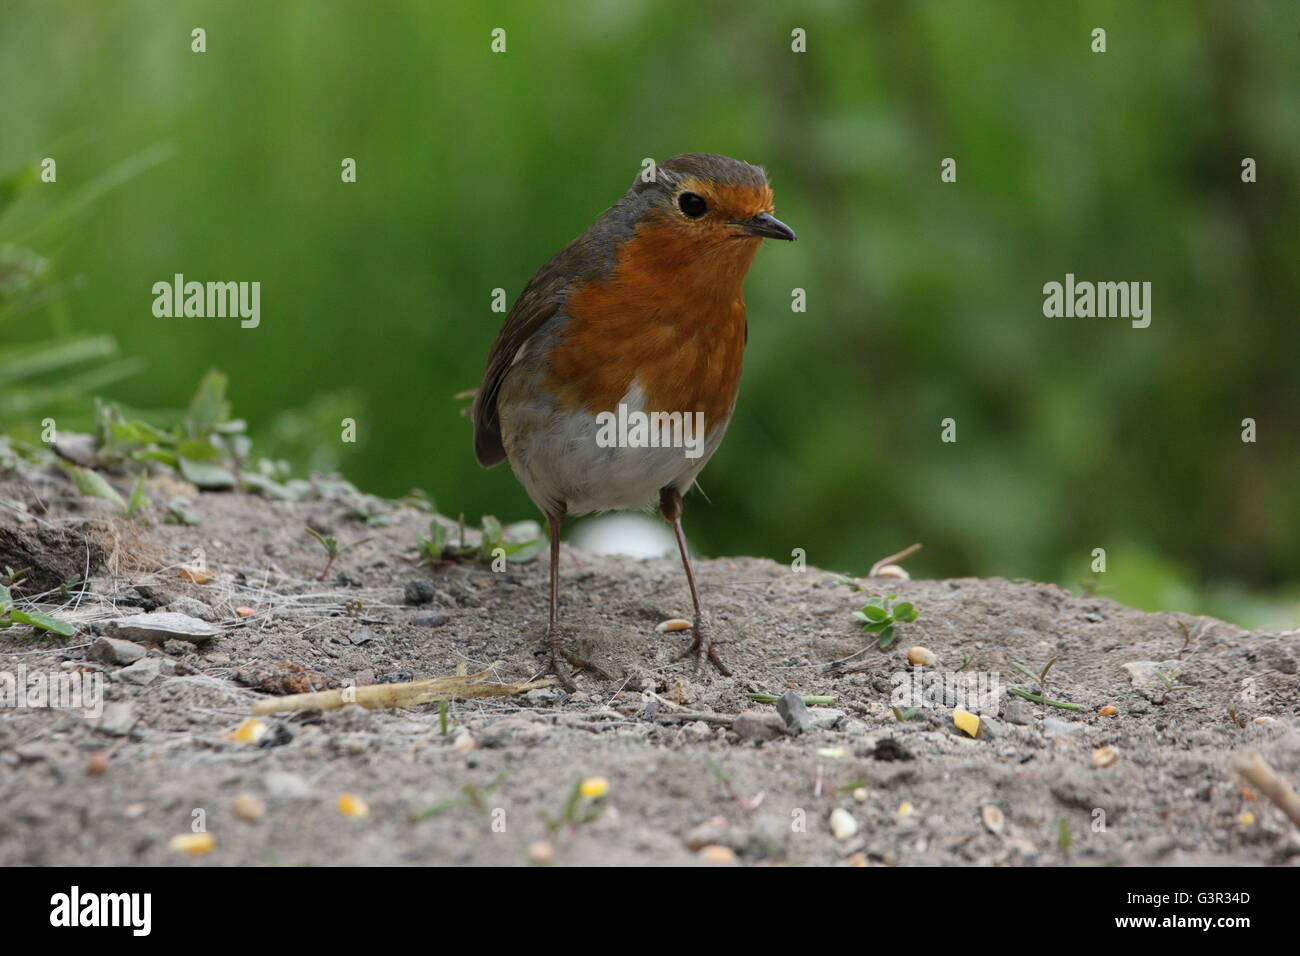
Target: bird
[(641, 316)]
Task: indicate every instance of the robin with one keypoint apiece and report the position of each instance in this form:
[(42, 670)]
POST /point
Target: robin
[(613, 378)]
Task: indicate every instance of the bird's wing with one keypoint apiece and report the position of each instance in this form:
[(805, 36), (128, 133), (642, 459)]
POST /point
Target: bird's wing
[(538, 303)]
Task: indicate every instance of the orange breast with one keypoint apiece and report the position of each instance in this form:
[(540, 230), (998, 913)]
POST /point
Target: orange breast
[(671, 317)]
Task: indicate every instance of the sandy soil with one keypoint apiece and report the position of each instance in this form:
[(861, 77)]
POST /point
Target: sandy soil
[(493, 786)]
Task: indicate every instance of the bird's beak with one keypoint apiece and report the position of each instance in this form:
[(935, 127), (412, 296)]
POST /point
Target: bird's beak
[(766, 227)]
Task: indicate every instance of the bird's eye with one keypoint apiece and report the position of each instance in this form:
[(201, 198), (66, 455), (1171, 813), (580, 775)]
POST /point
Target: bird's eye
[(692, 206)]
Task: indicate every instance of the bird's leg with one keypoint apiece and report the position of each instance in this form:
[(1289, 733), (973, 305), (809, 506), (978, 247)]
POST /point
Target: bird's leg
[(670, 503), (555, 648)]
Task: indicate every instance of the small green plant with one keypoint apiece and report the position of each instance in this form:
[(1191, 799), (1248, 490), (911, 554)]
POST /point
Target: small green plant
[(11, 615), (812, 700), (1092, 587), (518, 543), (903, 716), (471, 795), (880, 614), (585, 804), (1041, 679), (1064, 838), (1170, 687), (332, 549), (12, 578), (745, 803)]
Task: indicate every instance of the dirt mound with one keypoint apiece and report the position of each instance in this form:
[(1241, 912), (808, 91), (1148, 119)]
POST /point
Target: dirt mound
[(682, 754)]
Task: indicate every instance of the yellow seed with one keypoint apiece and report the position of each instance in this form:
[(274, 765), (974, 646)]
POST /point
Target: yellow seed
[(860, 795), (966, 722), (350, 805), (244, 611), (905, 809), (718, 855), (195, 844), (248, 807), (1110, 710), (251, 731), (594, 787), (672, 624), (921, 656), (197, 575), (831, 753), (1246, 819)]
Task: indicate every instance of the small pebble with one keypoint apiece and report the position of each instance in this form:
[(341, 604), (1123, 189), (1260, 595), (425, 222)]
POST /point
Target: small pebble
[(114, 651), (196, 575), (718, 855), (418, 591), (993, 818), (541, 852), (843, 826), (117, 719), (193, 608), (794, 712), (1104, 756), (757, 725), (248, 807), (143, 671), (920, 656), (893, 571), (711, 831), (283, 785)]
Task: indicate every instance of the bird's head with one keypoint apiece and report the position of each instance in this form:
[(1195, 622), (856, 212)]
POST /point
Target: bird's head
[(697, 213), (706, 198)]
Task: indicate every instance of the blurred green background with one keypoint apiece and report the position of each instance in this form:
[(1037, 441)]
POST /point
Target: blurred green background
[(924, 298)]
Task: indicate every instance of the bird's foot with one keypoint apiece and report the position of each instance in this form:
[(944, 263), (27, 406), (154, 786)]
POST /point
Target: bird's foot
[(557, 655), (703, 648)]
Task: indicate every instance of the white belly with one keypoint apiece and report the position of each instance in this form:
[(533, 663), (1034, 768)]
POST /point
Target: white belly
[(570, 459)]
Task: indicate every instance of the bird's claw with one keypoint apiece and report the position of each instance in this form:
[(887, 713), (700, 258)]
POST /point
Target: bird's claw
[(557, 652), (703, 648)]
